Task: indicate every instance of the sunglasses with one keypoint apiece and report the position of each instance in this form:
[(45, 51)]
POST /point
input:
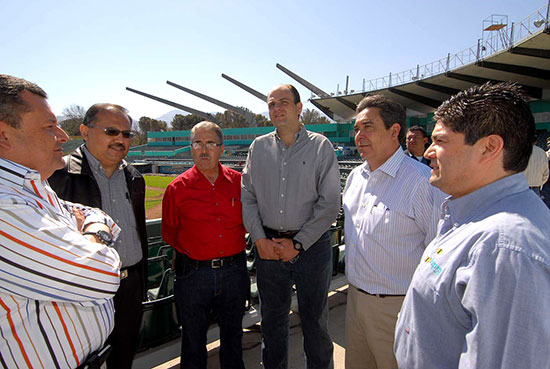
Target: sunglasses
[(113, 132)]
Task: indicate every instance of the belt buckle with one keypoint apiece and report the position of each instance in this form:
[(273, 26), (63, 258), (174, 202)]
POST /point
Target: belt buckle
[(216, 263), (123, 274)]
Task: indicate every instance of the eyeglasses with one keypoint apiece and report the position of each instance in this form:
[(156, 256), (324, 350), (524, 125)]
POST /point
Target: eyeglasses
[(208, 145), (113, 132)]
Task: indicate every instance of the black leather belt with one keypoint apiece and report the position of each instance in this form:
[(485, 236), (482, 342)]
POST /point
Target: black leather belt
[(213, 263), (381, 295), (96, 359), (273, 233)]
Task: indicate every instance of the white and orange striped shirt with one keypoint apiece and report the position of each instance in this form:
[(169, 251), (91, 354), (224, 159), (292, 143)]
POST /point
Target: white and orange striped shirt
[(56, 287)]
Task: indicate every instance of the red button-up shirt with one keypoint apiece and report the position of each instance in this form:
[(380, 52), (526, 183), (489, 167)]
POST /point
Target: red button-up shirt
[(204, 220)]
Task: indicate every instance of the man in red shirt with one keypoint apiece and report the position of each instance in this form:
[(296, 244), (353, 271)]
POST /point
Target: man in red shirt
[(202, 220)]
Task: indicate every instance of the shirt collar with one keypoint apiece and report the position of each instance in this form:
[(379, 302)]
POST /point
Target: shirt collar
[(17, 173), (96, 165), (301, 133), (223, 172), (462, 208), (390, 166)]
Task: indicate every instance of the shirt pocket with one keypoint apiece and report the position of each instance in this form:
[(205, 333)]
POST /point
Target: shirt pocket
[(385, 221), (379, 215)]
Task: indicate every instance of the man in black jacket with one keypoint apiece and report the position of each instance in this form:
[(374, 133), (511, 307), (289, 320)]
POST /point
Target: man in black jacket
[(97, 175)]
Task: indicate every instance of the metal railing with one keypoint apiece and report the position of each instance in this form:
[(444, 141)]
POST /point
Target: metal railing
[(491, 43)]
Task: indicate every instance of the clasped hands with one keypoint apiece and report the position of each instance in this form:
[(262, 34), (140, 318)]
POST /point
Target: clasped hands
[(276, 249)]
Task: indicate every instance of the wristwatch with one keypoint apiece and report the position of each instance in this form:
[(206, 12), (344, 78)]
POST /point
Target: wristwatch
[(103, 236), (297, 245)]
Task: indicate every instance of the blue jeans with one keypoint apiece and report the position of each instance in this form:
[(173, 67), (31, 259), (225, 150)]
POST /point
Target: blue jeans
[(311, 274), (200, 290)]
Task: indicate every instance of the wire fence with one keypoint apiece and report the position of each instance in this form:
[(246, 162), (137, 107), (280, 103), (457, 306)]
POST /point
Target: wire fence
[(503, 36)]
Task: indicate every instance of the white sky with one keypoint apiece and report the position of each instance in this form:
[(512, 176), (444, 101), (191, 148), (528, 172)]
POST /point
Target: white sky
[(84, 52)]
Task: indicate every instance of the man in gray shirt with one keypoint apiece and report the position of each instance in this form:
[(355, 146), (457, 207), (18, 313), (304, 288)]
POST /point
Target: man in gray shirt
[(290, 197), (95, 174)]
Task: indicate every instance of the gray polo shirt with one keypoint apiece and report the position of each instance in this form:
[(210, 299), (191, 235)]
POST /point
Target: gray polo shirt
[(115, 201)]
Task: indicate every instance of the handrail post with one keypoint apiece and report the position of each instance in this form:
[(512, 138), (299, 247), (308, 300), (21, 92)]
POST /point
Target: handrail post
[(512, 35)]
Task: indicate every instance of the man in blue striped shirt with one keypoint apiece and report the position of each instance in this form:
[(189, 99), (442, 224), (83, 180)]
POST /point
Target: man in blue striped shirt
[(390, 216)]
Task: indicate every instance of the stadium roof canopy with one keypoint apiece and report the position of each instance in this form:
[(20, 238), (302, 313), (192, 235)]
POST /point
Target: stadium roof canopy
[(507, 52)]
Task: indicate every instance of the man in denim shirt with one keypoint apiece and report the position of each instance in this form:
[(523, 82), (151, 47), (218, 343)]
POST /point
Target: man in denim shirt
[(478, 298)]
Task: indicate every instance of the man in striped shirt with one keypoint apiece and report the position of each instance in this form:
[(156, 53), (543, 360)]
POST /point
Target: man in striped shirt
[(57, 274), (390, 217)]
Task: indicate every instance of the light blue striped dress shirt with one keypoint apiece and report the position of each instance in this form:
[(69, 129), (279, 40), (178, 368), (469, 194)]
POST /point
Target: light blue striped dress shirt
[(391, 215)]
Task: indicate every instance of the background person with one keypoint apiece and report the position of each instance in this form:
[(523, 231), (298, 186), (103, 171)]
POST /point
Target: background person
[(537, 168), (97, 175), (416, 142)]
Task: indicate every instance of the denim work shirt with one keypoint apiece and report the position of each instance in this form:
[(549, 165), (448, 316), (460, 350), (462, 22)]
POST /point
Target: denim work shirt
[(479, 298)]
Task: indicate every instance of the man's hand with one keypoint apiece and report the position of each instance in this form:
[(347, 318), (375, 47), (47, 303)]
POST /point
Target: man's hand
[(268, 250), (80, 217), (287, 250)]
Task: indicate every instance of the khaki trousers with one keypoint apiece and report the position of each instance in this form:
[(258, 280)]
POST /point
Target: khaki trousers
[(370, 327)]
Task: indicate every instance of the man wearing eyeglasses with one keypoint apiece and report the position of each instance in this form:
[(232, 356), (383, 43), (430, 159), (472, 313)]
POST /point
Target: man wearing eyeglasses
[(97, 175), (416, 141), (202, 220)]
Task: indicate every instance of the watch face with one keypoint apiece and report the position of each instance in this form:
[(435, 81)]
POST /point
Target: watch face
[(297, 245), (105, 237)]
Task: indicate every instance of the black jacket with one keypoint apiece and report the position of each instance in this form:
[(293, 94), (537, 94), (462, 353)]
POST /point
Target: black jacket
[(423, 160), (76, 183)]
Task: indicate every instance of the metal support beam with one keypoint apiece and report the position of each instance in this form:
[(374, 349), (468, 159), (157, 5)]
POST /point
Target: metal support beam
[(418, 98), (443, 89), (247, 115), (347, 103), (516, 69), (246, 88), (175, 105), (534, 92), (537, 53), (325, 110), (316, 90)]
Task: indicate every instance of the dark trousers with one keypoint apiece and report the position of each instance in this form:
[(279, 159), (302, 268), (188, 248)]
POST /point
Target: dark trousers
[(311, 274), (128, 312), (200, 290)]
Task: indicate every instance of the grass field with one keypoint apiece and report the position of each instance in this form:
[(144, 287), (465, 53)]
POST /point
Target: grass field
[(153, 197), (158, 181)]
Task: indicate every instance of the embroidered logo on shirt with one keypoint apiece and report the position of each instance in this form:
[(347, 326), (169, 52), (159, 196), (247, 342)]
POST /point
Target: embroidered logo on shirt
[(433, 265)]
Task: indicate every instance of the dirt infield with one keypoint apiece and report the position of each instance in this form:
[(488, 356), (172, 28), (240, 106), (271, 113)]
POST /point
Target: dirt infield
[(156, 211)]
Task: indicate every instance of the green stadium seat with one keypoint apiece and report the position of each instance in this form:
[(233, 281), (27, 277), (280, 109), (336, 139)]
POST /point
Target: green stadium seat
[(166, 250), (166, 287), (155, 270), (160, 322)]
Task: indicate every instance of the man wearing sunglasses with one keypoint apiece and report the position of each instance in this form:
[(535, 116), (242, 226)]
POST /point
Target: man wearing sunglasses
[(96, 174)]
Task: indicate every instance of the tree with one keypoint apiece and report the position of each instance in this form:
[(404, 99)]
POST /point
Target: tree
[(147, 124), (262, 121), (228, 119), (311, 116), (71, 119), (182, 122)]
